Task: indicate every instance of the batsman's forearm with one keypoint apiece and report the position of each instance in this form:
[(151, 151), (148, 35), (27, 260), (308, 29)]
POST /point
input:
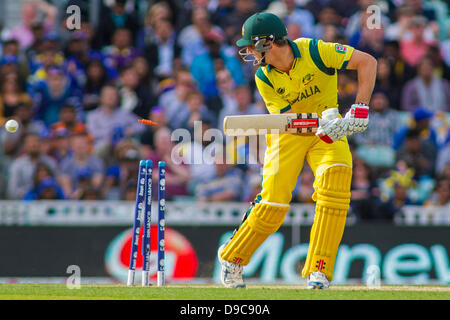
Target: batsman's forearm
[(367, 73)]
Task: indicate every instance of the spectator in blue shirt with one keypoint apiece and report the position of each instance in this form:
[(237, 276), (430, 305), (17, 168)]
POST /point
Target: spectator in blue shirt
[(79, 54), (44, 184), (48, 189), (226, 185), (421, 122), (81, 164), (205, 66), (51, 94)]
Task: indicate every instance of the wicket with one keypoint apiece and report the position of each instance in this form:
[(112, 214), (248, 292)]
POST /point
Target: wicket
[(143, 211)]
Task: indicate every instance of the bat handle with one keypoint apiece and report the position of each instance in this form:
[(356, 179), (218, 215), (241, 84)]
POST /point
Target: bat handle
[(328, 115)]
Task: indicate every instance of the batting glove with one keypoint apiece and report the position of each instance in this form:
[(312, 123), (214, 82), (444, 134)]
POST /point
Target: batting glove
[(358, 118), (333, 130)]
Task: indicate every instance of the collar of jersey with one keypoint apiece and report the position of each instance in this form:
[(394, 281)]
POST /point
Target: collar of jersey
[(296, 54)]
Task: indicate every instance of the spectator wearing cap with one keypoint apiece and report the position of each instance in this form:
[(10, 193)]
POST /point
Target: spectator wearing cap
[(109, 120), (414, 48), (80, 164), (40, 66), (21, 169), (45, 185), (9, 63), (52, 40), (426, 89), (11, 49), (10, 46), (50, 96), (205, 66), (48, 189), (30, 10), (421, 120)]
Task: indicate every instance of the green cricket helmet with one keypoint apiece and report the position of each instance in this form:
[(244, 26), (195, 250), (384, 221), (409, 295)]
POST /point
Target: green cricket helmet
[(260, 29)]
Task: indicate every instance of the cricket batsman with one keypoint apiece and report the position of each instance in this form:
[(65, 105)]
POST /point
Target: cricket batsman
[(300, 76)]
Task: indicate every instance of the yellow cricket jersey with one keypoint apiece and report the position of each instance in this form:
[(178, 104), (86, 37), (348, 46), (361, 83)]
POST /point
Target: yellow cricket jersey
[(311, 84)]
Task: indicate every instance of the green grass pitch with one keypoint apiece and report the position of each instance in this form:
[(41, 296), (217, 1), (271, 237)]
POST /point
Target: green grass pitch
[(214, 292)]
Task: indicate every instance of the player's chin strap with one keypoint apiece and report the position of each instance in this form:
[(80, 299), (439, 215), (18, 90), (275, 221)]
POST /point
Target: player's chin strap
[(262, 44)]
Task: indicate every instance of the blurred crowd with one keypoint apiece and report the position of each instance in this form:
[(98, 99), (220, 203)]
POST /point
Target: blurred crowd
[(77, 95)]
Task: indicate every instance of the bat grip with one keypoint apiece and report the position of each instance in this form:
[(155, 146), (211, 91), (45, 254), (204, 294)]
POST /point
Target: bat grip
[(328, 115)]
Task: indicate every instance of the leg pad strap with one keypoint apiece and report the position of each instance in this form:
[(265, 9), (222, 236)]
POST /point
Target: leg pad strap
[(263, 220)]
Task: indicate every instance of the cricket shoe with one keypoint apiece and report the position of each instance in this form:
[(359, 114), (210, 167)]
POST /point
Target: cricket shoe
[(231, 273), (317, 280)]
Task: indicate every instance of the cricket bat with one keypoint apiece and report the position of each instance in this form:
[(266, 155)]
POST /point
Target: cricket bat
[(249, 125)]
